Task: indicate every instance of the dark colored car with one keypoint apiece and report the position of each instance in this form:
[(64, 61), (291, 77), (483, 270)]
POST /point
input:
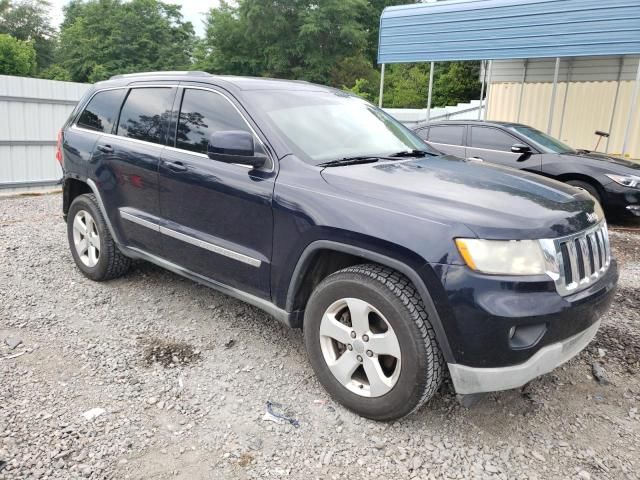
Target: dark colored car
[(398, 262), (614, 182)]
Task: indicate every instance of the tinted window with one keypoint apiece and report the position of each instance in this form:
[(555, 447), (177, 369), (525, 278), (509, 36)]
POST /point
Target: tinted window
[(492, 139), (145, 114), (450, 135), (423, 133), (102, 111), (203, 113)]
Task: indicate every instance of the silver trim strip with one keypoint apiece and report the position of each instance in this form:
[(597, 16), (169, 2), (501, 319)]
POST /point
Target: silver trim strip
[(140, 221), (467, 380), (225, 252), (117, 137)]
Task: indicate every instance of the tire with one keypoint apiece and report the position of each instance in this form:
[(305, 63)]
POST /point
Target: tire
[(107, 262), (586, 186), (411, 379)]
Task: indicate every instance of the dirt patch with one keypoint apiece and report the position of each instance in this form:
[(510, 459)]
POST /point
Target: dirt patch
[(168, 353)]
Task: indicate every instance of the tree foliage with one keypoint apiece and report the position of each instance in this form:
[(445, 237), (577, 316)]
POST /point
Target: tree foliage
[(28, 20), (17, 57), (100, 38), (332, 42)]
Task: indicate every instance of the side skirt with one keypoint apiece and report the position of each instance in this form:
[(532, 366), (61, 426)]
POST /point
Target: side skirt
[(289, 319)]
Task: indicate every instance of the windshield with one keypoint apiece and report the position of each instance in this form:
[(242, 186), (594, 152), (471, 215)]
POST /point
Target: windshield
[(543, 140), (322, 126)]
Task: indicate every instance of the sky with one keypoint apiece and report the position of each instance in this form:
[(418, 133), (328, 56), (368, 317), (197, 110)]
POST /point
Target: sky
[(192, 10)]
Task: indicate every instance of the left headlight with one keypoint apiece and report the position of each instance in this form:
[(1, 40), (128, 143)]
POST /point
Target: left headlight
[(631, 181), (505, 257)]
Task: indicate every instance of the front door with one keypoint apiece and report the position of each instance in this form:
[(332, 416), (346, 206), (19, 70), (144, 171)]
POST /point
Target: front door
[(490, 144), (217, 216)]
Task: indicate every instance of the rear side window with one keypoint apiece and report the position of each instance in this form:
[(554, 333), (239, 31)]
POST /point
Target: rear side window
[(423, 133), (491, 139), (101, 113), (449, 135), (145, 114), (203, 113)]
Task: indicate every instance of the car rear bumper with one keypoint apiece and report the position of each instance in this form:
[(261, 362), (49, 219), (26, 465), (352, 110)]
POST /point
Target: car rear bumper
[(468, 380)]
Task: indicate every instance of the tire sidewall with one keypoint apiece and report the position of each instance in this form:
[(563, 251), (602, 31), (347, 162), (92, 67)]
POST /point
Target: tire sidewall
[(411, 383), (84, 202)]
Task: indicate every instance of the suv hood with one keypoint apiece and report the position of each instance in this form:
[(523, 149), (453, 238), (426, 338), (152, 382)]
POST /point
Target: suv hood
[(495, 202)]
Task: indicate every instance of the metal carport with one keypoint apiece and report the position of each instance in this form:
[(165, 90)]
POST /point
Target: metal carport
[(487, 30)]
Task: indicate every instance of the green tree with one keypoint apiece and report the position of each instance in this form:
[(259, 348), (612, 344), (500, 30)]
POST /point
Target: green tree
[(301, 39), (100, 38), (29, 20), (17, 57)]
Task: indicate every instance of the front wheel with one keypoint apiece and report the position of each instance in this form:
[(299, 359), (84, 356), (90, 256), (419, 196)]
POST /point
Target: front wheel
[(370, 342)]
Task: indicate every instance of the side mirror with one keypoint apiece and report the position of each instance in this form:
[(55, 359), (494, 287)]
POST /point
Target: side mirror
[(520, 148), (234, 146)]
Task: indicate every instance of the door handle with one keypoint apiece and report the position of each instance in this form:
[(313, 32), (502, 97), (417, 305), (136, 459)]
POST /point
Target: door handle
[(105, 148), (477, 159), (177, 166)]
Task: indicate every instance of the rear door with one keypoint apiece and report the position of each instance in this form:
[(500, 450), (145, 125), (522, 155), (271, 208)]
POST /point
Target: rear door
[(448, 139), (491, 144), (127, 165), (218, 218)]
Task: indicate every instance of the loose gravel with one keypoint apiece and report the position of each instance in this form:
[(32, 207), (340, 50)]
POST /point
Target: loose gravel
[(154, 377)]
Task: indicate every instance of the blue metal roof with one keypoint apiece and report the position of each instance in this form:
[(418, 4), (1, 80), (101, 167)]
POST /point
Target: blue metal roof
[(508, 29)]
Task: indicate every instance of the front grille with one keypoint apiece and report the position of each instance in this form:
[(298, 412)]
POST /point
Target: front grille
[(582, 258)]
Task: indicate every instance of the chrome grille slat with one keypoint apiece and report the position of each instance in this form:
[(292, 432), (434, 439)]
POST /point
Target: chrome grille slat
[(586, 264), (586, 256)]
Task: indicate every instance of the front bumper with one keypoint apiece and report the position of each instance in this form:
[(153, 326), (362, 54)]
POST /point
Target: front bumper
[(621, 202), (505, 331), (468, 380)]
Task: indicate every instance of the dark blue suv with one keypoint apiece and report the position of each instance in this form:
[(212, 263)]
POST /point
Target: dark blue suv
[(401, 264)]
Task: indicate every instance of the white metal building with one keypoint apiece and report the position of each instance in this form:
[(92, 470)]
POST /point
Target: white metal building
[(31, 114)]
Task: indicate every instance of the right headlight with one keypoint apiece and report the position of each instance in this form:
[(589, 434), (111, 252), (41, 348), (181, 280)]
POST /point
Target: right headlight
[(505, 257), (630, 181)]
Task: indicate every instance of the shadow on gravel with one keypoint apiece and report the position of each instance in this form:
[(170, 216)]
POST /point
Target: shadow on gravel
[(168, 353)]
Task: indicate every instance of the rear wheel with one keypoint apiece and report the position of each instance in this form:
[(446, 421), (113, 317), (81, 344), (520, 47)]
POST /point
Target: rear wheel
[(586, 186), (92, 247), (370, 342)]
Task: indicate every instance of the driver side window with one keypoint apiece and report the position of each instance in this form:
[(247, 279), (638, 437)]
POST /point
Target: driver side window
[(491, 139), (203, 113)]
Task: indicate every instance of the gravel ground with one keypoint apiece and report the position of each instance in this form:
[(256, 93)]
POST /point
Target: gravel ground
[(152, 376)]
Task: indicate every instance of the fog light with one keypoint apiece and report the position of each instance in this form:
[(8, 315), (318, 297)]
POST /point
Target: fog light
[(526, 336), (635, 209)]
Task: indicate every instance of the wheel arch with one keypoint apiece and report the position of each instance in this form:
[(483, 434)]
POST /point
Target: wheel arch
[(583, 178), (300, 286)]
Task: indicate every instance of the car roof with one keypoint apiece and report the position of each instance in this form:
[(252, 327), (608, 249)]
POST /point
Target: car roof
[(491, 123), (229, 81)]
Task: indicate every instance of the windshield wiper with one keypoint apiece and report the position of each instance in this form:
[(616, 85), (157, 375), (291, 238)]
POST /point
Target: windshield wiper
[(413, 153), (349, 161)]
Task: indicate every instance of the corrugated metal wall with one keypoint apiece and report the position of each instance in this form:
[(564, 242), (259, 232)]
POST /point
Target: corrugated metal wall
[(492, 29), (31, 114), (588, 107)]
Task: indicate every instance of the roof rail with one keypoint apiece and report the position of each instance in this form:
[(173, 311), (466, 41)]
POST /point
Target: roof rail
[(194, 73)]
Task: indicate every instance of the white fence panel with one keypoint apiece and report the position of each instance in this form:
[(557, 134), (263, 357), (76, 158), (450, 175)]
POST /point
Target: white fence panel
[(31, 114)]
